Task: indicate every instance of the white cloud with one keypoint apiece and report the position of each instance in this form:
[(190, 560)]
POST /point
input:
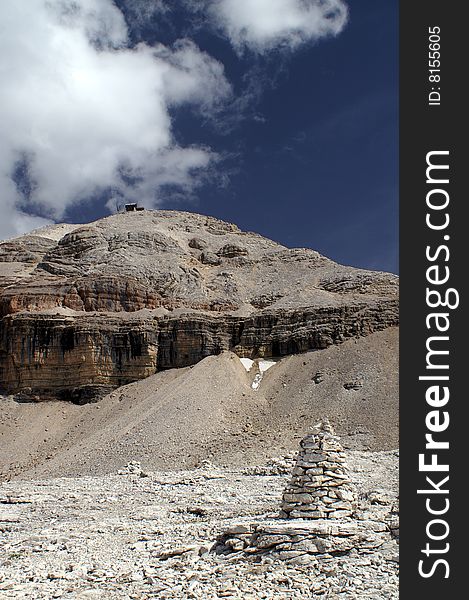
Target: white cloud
[(263, 25), (84, 112)]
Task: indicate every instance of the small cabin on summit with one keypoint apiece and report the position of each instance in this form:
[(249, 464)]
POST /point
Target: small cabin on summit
[(133, 206)]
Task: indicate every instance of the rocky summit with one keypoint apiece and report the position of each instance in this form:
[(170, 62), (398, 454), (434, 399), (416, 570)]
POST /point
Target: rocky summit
[(88, 308)]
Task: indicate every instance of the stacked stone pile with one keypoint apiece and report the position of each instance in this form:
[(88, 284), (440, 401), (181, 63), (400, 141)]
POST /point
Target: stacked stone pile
[(320, 487), (301, 542), (320, 516)]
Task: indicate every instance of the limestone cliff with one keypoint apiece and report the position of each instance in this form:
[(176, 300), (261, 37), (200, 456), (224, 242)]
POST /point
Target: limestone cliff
[(110, 302)]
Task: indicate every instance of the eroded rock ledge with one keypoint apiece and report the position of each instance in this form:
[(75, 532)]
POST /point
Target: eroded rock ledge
[(47, 355)]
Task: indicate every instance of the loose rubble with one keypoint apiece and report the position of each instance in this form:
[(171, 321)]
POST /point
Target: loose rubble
[(133, 468), (132, 537)]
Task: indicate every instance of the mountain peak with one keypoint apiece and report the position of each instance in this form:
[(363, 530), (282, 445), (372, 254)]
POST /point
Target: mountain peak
[(116, 299)]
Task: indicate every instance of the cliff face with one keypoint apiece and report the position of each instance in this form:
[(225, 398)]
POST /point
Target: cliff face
[(114, 301)]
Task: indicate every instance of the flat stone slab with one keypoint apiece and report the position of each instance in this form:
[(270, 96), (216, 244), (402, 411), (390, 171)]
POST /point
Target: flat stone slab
[(322, 527)]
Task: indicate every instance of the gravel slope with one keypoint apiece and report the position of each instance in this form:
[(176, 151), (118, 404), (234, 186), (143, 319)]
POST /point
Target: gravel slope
[(180, 417)]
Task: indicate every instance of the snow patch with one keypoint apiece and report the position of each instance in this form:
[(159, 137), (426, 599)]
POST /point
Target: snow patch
[(247, 363), (257, 381), (264, 365), (260, 365)]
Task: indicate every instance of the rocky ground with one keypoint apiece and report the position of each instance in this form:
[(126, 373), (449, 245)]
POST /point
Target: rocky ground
[(133, 534)]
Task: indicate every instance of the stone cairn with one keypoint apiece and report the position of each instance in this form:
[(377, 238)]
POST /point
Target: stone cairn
[(319, 511), (320, 487)]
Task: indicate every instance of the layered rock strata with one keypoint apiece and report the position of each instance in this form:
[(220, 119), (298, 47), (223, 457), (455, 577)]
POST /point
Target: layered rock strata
[(113, 301), (49, 353), (320, 487)]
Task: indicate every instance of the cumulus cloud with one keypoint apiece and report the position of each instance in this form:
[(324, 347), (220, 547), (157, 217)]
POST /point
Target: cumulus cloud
[(263, 25), (81, 112)]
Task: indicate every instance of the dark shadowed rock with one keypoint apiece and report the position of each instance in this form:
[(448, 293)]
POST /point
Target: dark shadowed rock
[(210, 258), (232, 250), (197, 243)]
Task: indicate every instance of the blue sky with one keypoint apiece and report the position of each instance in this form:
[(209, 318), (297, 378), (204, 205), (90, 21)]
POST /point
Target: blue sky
[(291, 132)]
